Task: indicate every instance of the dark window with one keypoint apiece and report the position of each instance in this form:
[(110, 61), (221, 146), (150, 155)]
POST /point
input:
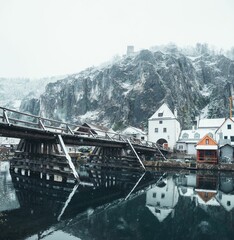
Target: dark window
[(142, 138), (228, 203), (154, 195), (232, 138), (225, 137), (156, 130), (229, 126), (160, 122), (207, 141), (162, 195), (164, 130), (160, 114)]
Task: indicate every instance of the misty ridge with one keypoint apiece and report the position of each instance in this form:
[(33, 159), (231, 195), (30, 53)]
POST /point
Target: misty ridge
[(128, 89)]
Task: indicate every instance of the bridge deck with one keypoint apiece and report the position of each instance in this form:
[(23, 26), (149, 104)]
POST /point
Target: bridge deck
[(16, 124)]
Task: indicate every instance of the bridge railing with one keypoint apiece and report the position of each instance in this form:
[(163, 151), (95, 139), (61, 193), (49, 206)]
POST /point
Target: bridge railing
[(13, 117)]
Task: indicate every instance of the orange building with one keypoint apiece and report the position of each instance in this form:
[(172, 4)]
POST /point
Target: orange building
[(207, 150)]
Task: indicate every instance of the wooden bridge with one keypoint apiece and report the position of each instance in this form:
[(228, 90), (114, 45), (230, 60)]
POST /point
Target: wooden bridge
[(44, 136)]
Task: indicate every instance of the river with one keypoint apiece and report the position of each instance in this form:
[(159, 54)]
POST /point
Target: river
[(111, 205)]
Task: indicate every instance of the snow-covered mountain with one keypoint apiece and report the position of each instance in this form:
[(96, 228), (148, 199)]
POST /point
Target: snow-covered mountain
[(14, 90), (128, 91)]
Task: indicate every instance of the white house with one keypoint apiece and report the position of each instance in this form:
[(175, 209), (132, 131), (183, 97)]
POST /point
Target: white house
[(161, 200), (163, 127), (226, 131), (136, 133)]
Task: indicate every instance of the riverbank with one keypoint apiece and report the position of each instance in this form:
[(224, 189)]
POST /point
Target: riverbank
[(188, 165)]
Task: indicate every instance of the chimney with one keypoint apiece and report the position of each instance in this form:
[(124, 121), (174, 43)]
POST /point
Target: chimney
[(175, 113)]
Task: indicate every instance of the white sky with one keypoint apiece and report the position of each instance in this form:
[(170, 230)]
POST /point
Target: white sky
[(55, 37)]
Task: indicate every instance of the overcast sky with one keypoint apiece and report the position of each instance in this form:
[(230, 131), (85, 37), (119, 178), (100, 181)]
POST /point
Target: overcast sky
[(54, 37)]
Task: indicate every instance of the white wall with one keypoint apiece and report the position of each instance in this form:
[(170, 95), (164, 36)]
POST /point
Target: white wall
[(171, 135), (224, 131)]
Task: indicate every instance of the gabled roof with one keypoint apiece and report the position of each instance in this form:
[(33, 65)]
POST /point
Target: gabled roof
[(227, 119), (133, 130), (226, 144), (160, 213), (95, 129), (211, 141), (163, 112), (210, 123), (203, 145), (191, 134)]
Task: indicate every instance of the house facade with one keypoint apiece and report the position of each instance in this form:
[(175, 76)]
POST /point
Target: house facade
[(163, 127), (226, 131), (226, 153), (162, 199), (207, 150)]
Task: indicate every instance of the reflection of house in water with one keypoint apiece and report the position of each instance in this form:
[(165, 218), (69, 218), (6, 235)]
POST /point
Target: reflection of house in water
[(225, 194), (186, 184), (162, 199), (8, 198), (206, 190)]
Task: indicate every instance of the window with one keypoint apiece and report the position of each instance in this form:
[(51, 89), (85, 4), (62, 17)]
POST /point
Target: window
[(160, 122), (229, 126), (225, 137), (164, 130), (156, 130), (181, 147), (163, 195), (210, 134), (160, 114), (228, 203), (142, 138), (232, 138), (207, 141), (154, 195), (185, 136), (197, 136)]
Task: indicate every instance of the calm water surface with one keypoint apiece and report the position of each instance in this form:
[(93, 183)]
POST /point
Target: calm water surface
[(117, 205)]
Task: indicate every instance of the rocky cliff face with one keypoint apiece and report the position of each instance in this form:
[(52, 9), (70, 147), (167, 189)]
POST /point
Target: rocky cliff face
[(131, 89)]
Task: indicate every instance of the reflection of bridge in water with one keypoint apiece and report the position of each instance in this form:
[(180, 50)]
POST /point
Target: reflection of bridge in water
[(43, 203), (46, 137), (113, 201)]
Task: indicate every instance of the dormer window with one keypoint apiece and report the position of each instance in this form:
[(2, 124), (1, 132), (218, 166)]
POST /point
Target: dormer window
[(160, 114)]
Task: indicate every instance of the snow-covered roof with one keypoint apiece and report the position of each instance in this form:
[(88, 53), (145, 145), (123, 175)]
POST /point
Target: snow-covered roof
[(96, 129), (207, 147), (163, 112), (160, 213), (133, 130), (211, 200), (226, 200), (195, 134), (227, 120), (210, 123)]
